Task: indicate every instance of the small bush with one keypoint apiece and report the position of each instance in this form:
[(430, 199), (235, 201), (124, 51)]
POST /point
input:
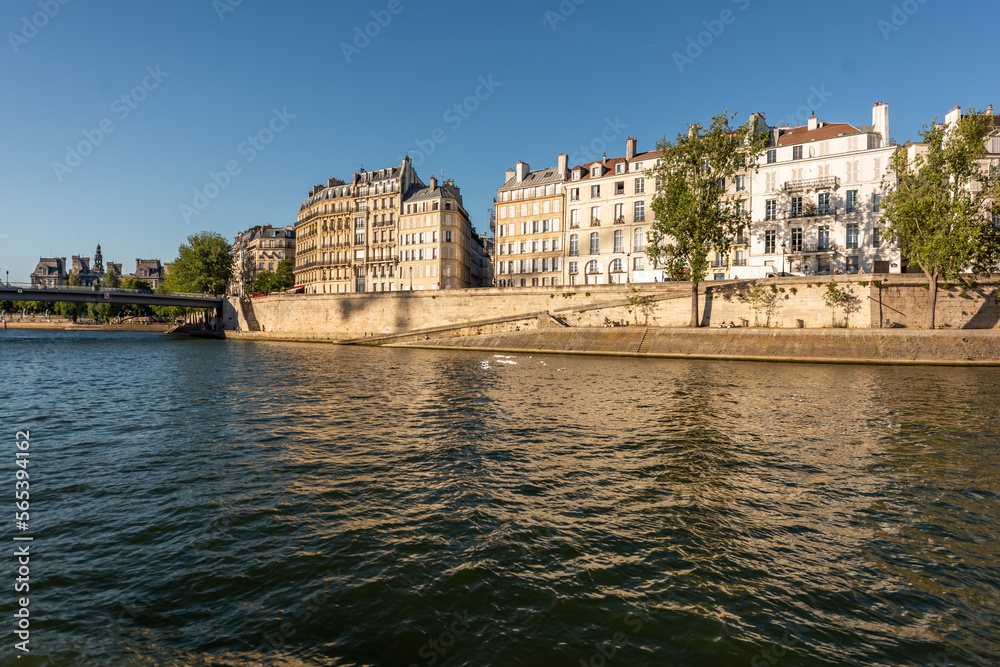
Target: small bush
[(793, 290), (863, 283), (926, 287)]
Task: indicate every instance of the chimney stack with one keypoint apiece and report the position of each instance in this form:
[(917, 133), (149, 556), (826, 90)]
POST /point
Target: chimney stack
[(510, 175), (880, 120), (522, 171), (813, 122), (563, 164), (434, 183), (630, 148)]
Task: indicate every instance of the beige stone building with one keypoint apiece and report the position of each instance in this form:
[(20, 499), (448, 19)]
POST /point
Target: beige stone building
[(260, 248), (438, 248), (608, 215), (323, 239), (529, 226)]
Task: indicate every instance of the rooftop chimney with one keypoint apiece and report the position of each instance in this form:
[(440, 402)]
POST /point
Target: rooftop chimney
[(563, 164), (510, 175), (630, 148), (880, 119), (522, 171), (813, 122), (989, 110), (434, 183)]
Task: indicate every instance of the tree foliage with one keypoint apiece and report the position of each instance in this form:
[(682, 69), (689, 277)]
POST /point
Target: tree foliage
[(203, 264), (637, 302), (111, 279), (693, 215), (761, 298), (941, 220), (266, 282)]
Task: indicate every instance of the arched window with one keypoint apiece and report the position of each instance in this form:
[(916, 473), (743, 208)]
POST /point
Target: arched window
[(592, 266), (617, 266)]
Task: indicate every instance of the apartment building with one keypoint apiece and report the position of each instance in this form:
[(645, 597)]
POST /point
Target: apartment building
[(529, 234), (260, 248), (378, 200), (608, 214), (438, 248), (815, 200)]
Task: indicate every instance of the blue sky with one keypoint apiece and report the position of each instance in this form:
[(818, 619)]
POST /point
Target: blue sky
[(116, 112)]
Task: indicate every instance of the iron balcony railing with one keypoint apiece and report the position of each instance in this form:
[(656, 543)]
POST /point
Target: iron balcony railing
[(820, 183)]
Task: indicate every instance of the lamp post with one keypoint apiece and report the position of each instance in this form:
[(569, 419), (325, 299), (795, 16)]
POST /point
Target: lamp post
[(782, 258)]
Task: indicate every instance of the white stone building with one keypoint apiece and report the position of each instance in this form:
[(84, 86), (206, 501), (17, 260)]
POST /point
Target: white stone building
[(815, 199)]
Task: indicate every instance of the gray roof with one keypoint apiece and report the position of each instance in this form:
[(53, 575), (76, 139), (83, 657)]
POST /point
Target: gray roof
[(446, 190), (535, 178)]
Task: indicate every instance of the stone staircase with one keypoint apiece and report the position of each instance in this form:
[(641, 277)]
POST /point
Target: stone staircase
[(251, 319)]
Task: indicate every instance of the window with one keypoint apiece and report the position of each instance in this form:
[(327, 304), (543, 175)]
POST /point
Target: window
[(719, 260), (852, 235), (640, 211), (638, 264), (852, 201), (574, 194), (823, 204), (595, 191), (852, 264), (741, 259), (876, 237), (640, 186), (772, 155), (771, 209), (769, 238), (619, 212), (574, 245), (620, 169), (876, 203), (447, 237), (741, 183), (797, 152), (796, 207), (592, 266), (617, 266), (619, 240), (620, 185), (796, 239), (823, 240), (595, 243), (573, 267), (595, 215), (574, 218)]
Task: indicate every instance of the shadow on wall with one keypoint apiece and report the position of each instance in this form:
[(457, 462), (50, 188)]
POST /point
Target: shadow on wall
[(988, 315)]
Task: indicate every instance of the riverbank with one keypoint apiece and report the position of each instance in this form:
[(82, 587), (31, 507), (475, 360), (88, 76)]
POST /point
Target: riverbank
[(69, 326), (854, 346)]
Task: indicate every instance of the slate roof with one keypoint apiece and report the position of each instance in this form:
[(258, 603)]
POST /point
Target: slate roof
[(534, 179)]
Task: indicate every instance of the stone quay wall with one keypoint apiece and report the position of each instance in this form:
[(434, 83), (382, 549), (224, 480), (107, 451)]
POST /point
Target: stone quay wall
[(889, 301)]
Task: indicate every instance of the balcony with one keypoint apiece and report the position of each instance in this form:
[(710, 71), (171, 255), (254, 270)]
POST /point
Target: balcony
[(595, 222), (620, 220), (802, 184), (828, 212), (720, 265), (739, 262), (820, 250)]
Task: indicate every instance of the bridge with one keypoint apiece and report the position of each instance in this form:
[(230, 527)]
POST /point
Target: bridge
[(24, 292)]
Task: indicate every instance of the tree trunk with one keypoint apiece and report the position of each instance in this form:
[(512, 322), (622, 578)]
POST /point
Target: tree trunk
[(932, 286), (695, 320)]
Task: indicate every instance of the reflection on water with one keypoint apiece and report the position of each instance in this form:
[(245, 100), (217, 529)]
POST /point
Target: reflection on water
[(264, 503)]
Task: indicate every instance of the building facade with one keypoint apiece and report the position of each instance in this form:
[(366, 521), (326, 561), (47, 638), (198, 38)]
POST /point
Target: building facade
[(438, 248), (815, 200), (608, 216), (530, 226), (258, 249), (50, 272)]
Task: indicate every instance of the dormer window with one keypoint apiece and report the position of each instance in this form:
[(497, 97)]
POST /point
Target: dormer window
[(620, 168), (576, 174)]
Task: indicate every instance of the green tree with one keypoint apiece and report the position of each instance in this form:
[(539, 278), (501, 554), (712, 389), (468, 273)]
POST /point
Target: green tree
[(692, 214), (637, 302), (68, 309), (285, 275), (203, 264), (263, 283), (111, 279), (761, 298), (131, 283), (941, 222)]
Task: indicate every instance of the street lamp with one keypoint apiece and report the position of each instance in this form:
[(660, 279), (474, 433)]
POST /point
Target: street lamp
[(782, 258)]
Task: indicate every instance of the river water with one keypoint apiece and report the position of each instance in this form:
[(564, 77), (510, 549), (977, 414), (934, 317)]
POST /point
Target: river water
[(235, 503)]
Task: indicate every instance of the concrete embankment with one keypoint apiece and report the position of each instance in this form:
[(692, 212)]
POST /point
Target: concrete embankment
[(874, 346)]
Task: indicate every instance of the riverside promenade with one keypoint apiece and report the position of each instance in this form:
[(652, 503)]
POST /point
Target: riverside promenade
[(835, 346)]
